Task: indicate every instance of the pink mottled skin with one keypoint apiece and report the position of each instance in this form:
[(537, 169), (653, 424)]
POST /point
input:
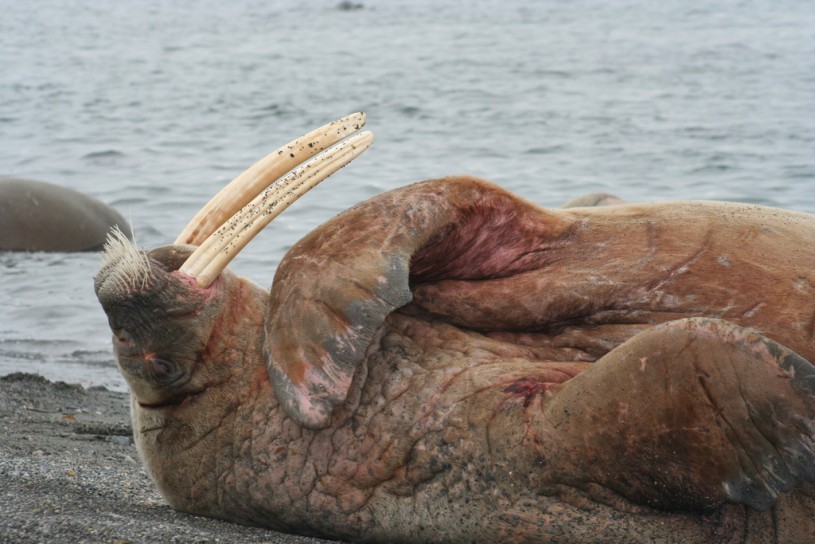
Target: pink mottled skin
[(567, 376)]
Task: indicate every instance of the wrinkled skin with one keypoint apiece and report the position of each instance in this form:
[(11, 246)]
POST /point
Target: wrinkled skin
[(449, 363), (39, 216)]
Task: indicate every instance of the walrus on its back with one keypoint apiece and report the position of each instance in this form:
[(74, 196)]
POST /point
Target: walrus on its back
[(447, 362)]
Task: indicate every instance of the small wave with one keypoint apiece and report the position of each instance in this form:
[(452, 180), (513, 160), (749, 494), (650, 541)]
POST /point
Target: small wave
[(710, 168), (546, 150), (561, 74), (410, 111), (270, 111), (799, 171), (129, 201), (272, 108), (92, 357), (20, 355), (106, 154)]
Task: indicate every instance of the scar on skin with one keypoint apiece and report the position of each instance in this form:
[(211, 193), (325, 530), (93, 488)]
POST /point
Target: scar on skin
[(643, 363), (528, 388)]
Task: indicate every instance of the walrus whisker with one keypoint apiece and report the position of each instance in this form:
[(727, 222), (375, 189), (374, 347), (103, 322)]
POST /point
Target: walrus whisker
[(129, 268), (263, 173), (217, 251)]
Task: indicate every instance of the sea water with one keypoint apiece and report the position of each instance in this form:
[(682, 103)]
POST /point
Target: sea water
[(152, 106)]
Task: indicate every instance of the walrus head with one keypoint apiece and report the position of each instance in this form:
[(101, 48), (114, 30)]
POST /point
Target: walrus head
[(163, 305)]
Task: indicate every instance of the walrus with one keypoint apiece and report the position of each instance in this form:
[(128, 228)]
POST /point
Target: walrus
[(447, 362), (593, 199), (40, 216)]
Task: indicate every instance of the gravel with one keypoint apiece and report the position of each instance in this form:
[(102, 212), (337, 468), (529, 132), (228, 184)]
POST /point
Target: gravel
[(69, 473)]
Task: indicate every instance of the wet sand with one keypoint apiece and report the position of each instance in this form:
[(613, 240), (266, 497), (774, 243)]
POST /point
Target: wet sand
[(69, 472)]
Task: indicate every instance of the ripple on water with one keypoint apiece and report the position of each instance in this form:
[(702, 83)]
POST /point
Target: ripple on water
[(106, 154)]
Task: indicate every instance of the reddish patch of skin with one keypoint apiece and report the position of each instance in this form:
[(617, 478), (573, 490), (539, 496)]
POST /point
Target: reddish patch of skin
[(207, 292), (225, 339), (495, 238), (529, 388)]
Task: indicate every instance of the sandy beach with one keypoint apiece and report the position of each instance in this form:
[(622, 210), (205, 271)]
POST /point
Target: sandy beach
[(69, 472)]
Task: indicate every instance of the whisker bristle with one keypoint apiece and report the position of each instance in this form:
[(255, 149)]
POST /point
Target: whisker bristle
[(123, 262)]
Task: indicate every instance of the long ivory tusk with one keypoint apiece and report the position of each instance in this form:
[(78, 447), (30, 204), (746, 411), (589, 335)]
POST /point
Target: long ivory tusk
[(263, 173), (218, 250)]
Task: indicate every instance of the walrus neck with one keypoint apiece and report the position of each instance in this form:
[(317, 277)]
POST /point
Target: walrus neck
[(176, 442)]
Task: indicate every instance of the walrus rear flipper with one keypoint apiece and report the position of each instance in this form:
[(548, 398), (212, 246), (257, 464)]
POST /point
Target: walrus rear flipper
[(688, 415), (334, 289)]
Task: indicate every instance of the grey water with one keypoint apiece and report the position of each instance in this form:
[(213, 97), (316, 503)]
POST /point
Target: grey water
[(152, 106)]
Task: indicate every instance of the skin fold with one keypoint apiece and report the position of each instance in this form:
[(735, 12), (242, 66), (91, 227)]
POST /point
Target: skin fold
[(447, 362)]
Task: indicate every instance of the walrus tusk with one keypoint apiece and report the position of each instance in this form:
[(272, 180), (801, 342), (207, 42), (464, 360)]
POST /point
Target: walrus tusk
[(263, 173), (216, 252)]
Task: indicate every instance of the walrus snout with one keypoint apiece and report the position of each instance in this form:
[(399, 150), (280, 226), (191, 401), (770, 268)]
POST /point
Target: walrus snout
[(161, 320), (156, 371)]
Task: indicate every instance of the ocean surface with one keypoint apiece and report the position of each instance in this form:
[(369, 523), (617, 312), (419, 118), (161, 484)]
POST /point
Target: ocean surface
[(152, 106)]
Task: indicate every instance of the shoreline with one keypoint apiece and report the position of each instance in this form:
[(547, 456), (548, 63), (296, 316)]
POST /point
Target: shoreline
[(69, 472)]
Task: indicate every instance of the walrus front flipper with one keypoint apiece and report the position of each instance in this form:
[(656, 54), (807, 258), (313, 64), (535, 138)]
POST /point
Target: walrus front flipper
[(334, 289), (688, 415)]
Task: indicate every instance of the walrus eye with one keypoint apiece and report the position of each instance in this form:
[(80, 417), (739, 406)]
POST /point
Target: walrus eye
[(161, 370), (157, 371)]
